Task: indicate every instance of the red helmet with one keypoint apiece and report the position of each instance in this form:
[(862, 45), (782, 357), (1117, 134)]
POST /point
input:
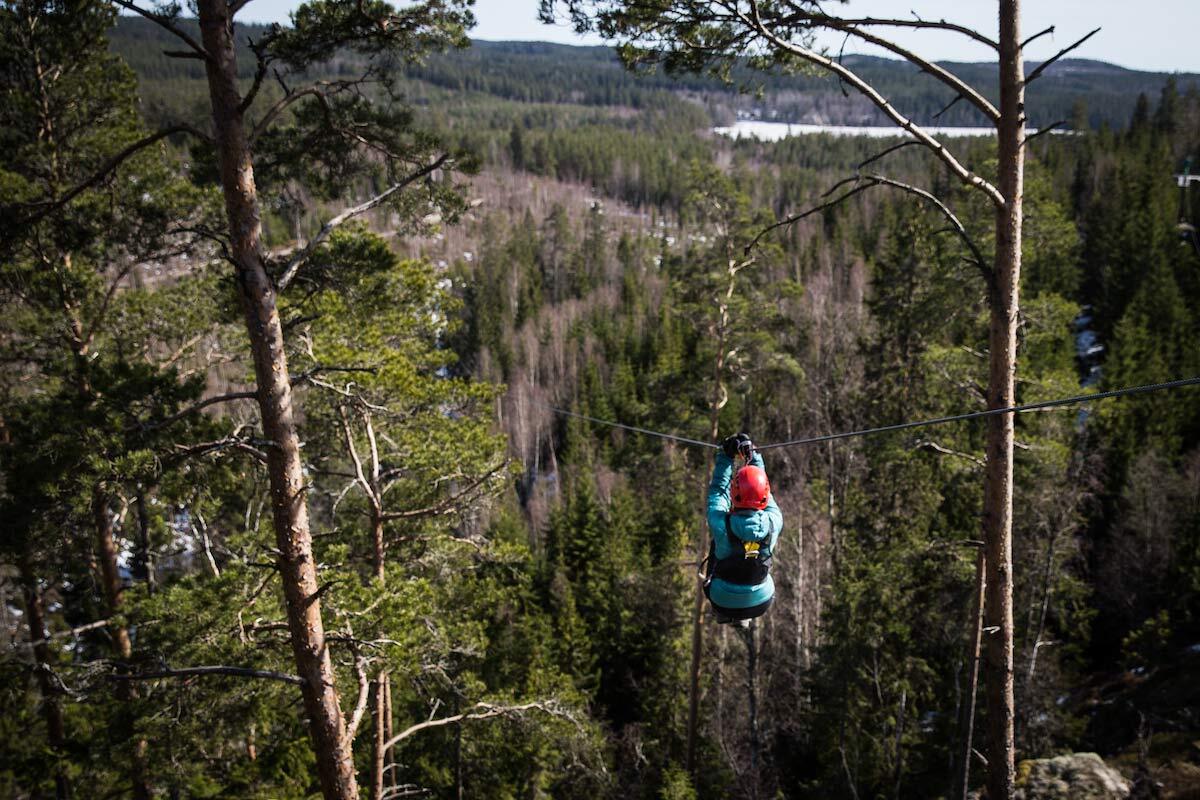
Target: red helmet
[(751, 488)]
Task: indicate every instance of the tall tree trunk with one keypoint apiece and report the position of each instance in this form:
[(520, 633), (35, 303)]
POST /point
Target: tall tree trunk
[(715, 406), (288, 502), (966, 721), (388, 732), (51, 705), (379, 549), (144, 563), (378, 711), (1002, 343), (106, 550)]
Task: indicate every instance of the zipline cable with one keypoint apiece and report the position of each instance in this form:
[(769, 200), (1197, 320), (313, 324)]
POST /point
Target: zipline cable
[(670, 436), (991, 412)]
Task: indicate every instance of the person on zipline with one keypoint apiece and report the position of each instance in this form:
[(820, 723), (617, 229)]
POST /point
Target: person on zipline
[(743, 534)]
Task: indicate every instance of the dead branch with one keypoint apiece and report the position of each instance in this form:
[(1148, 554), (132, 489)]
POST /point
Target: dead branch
[(940, 24), (298, 260), (290, 96), (205, 403), (929, 444), (448, 505), (47, 207), (188, 672), (1037, 36), (364, 689), (871, 93), (864, 182), (948, 106), (168, 24), (940, 73), (359, 476), (1042, 67), (67, 634), (485, 711), (1040, 131), (888, 151), (234, 442)]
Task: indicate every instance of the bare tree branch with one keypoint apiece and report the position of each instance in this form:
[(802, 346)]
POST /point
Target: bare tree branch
[(1037, 36), (889, 151), (940, 73), (233, 442), (864, 182), (359, 476), (47, 207), (948, 106), (205, 403), (166, 23), (485, 711), (1042, 67), (188, 672), (298, 260), (940, 24), (1041, 131), (929, 444), (364, 690), (866, 89), (280, 105), (448, 505)]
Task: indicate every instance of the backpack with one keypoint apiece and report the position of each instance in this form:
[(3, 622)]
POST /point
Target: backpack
[(746, 565)]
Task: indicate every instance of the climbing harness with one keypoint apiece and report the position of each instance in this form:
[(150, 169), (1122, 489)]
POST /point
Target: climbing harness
[(991, 412)]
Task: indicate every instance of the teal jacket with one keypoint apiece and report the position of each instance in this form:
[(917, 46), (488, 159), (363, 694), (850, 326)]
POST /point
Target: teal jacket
[(749, 526)]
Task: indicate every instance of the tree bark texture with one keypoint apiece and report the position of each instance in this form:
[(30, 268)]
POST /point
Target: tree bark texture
[(288, 502), (144, 564), (127, 693), (966, 722), (1002, 343), (378, 751), (716, 404), (52, 711)]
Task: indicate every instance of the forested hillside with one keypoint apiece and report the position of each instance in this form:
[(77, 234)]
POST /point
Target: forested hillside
[(501, 594)]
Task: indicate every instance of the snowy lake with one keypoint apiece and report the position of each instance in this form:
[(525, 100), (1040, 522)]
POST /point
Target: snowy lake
[(774, 131)]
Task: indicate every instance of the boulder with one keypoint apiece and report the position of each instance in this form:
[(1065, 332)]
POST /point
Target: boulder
[(1078, 776)]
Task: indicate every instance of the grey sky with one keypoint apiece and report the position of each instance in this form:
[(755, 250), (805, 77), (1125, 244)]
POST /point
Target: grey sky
[(1160, 35)]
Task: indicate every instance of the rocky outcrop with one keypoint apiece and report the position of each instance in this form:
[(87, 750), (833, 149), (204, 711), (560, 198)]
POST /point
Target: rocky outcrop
[(1078, 776)]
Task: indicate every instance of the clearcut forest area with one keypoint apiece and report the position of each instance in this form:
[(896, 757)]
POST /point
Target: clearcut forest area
[(313, 340)]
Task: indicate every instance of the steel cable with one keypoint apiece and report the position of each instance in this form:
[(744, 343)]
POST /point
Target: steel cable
[(991, 412)]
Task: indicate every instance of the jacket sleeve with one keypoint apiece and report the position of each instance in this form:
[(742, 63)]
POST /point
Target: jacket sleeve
[(775, 515), (718, 492), (773, 512)]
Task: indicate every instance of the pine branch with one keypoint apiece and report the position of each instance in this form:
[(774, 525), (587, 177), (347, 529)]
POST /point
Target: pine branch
[(189, 672)]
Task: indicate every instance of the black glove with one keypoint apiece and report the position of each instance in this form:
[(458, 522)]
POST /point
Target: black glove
[(738, 444), (730, 446), (745, 446)]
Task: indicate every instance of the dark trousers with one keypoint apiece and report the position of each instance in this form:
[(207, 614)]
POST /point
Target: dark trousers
[(742, 613)]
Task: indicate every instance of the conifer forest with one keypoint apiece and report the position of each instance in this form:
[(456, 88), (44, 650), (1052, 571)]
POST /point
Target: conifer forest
[(314, 333)]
